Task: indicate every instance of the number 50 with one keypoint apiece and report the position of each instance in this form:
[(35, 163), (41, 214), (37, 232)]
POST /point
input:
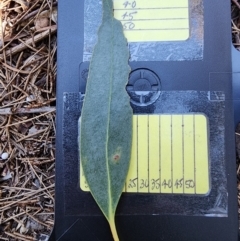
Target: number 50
[(128, 25)]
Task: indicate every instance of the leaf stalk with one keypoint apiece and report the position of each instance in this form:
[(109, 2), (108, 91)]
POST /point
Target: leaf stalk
[(113, 229)]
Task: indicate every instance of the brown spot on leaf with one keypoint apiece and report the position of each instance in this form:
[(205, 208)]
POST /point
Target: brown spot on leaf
[(116, 157)]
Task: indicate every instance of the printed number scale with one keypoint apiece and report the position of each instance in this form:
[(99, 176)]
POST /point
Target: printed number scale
[(169, 155)]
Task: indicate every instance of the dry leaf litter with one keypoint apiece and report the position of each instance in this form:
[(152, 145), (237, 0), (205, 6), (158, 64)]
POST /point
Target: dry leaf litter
[(236, 43), (27, 116)]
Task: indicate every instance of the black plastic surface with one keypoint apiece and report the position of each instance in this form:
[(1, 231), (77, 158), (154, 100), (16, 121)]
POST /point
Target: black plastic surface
[(175, 76), (78, 202)]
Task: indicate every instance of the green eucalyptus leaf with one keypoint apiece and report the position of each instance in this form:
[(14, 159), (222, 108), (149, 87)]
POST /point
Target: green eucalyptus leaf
[(106, 118)]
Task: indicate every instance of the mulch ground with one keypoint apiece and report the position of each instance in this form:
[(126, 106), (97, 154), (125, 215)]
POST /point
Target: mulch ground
[(236, 43), (27, 116)]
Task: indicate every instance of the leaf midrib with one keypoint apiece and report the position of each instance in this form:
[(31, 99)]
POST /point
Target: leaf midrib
[(108, 124)]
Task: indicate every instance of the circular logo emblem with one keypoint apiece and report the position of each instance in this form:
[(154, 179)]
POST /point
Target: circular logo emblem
[(143, 87)]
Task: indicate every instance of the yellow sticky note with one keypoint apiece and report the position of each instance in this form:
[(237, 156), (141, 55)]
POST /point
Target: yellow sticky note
[(170, 154), (151, 20)]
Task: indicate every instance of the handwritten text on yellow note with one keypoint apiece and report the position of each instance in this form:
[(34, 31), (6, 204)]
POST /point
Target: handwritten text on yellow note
[(153, 20)]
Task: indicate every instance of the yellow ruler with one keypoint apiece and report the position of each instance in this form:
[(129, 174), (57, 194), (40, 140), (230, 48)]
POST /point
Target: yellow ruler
[(153, 20), (170, 154)]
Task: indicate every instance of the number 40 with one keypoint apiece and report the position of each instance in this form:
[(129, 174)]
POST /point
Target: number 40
[(127, 3)]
